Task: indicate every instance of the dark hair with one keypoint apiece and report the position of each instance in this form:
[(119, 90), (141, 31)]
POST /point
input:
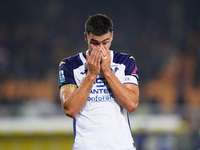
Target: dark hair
[(98, 24)]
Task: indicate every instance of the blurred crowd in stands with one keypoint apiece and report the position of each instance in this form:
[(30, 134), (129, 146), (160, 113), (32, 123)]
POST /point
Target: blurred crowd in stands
[(163, 36)]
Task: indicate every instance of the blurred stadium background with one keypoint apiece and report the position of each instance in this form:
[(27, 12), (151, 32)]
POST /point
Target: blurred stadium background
[(163, 36)]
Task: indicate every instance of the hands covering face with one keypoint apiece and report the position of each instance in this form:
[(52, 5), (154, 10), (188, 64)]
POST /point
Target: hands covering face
[(98, 60)]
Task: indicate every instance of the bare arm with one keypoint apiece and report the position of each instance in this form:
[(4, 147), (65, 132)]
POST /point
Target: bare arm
[(73, 99), (126, 94)]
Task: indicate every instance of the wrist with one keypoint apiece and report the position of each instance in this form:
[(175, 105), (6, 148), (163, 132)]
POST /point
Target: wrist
[(108, 73), (90, 77)]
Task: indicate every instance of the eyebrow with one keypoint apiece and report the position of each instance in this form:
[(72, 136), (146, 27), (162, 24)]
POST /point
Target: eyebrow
[(98, 41)]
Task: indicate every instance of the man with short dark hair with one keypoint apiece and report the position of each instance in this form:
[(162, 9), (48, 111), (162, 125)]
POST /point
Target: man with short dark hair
[(98, 88)]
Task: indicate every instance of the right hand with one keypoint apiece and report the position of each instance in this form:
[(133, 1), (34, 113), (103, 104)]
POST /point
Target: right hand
[(93, 62)]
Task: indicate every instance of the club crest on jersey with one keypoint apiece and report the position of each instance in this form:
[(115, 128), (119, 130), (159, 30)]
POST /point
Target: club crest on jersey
[(114, 70), (61, 76)]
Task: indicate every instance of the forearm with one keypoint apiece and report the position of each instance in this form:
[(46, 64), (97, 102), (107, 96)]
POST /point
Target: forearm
[(75, 101), (127, 96)]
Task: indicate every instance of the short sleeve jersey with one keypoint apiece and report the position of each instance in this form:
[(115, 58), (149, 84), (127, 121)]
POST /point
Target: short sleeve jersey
[(102, 123)]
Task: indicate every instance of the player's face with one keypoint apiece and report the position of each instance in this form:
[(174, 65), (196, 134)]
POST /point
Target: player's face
[(95, 41)]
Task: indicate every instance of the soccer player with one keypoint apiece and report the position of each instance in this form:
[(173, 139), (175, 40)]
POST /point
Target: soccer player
[(98, 88)]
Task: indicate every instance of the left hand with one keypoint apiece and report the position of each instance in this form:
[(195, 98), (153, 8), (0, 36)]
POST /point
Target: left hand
[(106, 60)]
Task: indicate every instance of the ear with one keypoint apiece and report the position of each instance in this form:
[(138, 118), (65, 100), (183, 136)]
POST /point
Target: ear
[(85, 35)]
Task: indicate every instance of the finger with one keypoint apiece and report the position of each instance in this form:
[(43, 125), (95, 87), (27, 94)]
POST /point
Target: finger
[(99, 58), (95, 57), (105, 53), (107, 50)]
